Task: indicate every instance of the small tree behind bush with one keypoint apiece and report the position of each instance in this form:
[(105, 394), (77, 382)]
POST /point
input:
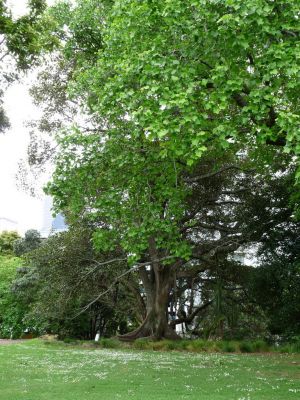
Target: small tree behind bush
[(31, 241)]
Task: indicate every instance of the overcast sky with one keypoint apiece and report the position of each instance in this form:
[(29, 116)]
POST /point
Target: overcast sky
[(15, 204)]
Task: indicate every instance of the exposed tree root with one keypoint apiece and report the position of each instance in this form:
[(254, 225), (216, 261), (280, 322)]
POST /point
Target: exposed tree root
[(149, 332)]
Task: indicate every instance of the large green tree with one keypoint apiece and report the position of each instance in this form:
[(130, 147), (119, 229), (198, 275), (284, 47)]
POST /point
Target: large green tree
[(168, 87)]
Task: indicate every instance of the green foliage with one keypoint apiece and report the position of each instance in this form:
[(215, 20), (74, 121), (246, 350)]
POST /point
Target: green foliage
[(11, 314), (228, 347), (277, 288), (31, 241), (108, 343), (23, 40), (165, 99), (232, 314), (8, 267), (62, 277), (275, 285), (163, 74), (133, 205), (69, 341), (246, 347), (260, 345), (25, 37), (7, 241)]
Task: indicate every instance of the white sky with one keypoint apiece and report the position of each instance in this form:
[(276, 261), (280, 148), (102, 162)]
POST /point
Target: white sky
[(18, 7), (16, 204)]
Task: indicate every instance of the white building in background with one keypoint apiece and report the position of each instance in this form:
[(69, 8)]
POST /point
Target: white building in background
[(7, 224), (51, 224), (47, 217)]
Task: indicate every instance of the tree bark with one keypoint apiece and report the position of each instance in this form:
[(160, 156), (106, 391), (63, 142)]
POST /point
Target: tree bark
[(157, 283)]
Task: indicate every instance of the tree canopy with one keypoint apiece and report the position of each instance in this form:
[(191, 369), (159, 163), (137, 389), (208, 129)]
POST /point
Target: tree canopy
[(202, 73), (161, 98)]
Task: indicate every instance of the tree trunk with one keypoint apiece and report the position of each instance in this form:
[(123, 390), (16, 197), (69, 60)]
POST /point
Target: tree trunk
[(155, 325), (157, 284)]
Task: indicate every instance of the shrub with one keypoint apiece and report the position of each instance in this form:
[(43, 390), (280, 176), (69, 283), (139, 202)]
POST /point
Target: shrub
[(68, 340), (246, 347), (142, 344), (260, 345), (161, 345), (7, 240), (197, 345), (109, 343), (182, 344), (228, 347)]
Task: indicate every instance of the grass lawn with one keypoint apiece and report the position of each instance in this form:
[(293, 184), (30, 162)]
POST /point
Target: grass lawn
[(35, 371)]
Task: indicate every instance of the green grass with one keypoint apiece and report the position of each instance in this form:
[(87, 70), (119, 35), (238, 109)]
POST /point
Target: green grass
[(35, 371)]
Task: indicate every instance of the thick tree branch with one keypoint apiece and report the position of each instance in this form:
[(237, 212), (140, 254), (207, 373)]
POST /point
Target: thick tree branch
[(214, 227), (220, 171), (188, 319), (116, 280)]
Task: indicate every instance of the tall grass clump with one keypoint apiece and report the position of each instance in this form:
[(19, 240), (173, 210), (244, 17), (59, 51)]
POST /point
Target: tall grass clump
[(109, 343), (228, 346), (260, 346), (142, 344), (246, 347)]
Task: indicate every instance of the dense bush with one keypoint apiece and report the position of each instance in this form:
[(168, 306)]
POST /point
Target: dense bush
[(7, 241), (31, 241), (11, 315)]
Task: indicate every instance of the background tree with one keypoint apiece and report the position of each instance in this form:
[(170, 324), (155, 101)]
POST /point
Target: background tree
[(276, 281), (13, 322), (63, 276), (268, 216), (31, 241), (7, 241), (10, 314)]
